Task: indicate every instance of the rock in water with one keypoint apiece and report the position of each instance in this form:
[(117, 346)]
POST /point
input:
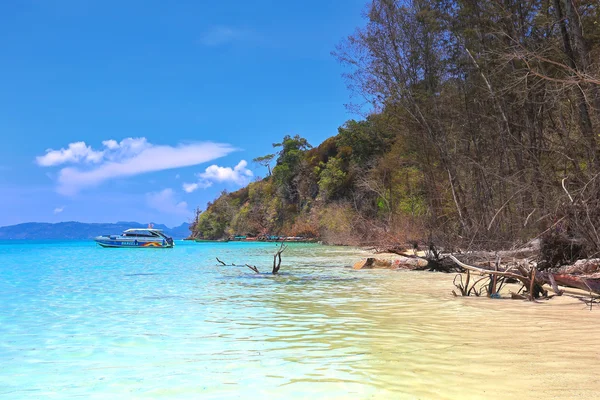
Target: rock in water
[(367, 263)]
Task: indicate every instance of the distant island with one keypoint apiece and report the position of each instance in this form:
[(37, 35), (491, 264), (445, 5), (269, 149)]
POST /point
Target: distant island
[(80, 230)]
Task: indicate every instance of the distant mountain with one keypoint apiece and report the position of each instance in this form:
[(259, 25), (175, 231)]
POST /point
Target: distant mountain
[(81, 230)]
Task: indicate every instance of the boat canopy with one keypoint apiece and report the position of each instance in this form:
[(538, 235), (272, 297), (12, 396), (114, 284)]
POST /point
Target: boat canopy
[(143, 232)]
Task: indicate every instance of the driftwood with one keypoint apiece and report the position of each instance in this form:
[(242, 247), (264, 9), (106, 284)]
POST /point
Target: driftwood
[(528, 280), (253, 268), (276, 261), (277, 257), (583, 275), (580, 282), (408, 263), (529, 250), (582, 267), (554, 285), (440, 264), (525, 268), (464, 289), (483, 271)]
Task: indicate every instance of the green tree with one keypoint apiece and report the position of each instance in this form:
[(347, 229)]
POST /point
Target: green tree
[(265, 161), (289, 160), (332, 179), (366, 140)]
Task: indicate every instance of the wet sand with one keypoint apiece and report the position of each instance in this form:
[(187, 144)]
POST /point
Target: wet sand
[(475, 347)]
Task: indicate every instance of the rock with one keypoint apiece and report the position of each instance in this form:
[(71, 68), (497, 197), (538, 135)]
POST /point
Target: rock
[(409, 263), (396, 262), (384, 264), (367, 263)]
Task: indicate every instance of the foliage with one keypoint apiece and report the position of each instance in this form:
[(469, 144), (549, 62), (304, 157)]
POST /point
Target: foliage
[(265, 161), (331, 178), (482, 129)]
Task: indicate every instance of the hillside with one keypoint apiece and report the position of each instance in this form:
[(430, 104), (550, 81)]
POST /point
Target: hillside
[(80, 230), (482, 132)]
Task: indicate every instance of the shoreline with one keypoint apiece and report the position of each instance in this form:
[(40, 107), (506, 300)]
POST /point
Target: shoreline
[(411, 261)]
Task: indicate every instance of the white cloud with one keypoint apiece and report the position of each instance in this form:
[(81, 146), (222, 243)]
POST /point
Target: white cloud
[(239, 175), (190, 187), (128, 147), (80, 152), (131, 156), (58, 210), (74, 153), (165, 201), (110, 144)]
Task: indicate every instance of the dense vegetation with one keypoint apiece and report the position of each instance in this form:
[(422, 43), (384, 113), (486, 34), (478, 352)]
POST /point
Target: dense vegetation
[(482, 131)]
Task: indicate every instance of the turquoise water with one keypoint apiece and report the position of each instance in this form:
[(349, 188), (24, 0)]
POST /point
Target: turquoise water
[(77, 320), (80, 320)]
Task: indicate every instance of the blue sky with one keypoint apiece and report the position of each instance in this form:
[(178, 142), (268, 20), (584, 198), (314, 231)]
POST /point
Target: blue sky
[(144, 110)]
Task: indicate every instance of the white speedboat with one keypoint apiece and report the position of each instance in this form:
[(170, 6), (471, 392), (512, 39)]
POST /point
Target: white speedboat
[(138, 237)]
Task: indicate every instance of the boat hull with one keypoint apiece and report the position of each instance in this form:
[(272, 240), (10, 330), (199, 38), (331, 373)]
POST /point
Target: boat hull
[(124, 243)]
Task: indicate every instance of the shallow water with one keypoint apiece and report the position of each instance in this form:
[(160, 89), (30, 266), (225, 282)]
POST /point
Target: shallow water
[(77, 320)]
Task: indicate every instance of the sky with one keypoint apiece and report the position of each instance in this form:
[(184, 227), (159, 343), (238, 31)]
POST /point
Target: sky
[(145, 110)]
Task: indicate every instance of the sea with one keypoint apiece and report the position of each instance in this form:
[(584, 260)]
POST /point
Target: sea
[(81, 321)]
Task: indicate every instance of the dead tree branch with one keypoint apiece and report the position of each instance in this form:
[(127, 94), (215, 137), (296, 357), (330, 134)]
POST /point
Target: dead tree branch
[(222, 263), (253, 268), (276, 262), (277, 259)]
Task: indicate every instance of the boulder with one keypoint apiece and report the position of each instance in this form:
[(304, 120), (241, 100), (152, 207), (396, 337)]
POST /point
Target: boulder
[(397, 262), (409, 262), (366, 263), (383, 264)]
